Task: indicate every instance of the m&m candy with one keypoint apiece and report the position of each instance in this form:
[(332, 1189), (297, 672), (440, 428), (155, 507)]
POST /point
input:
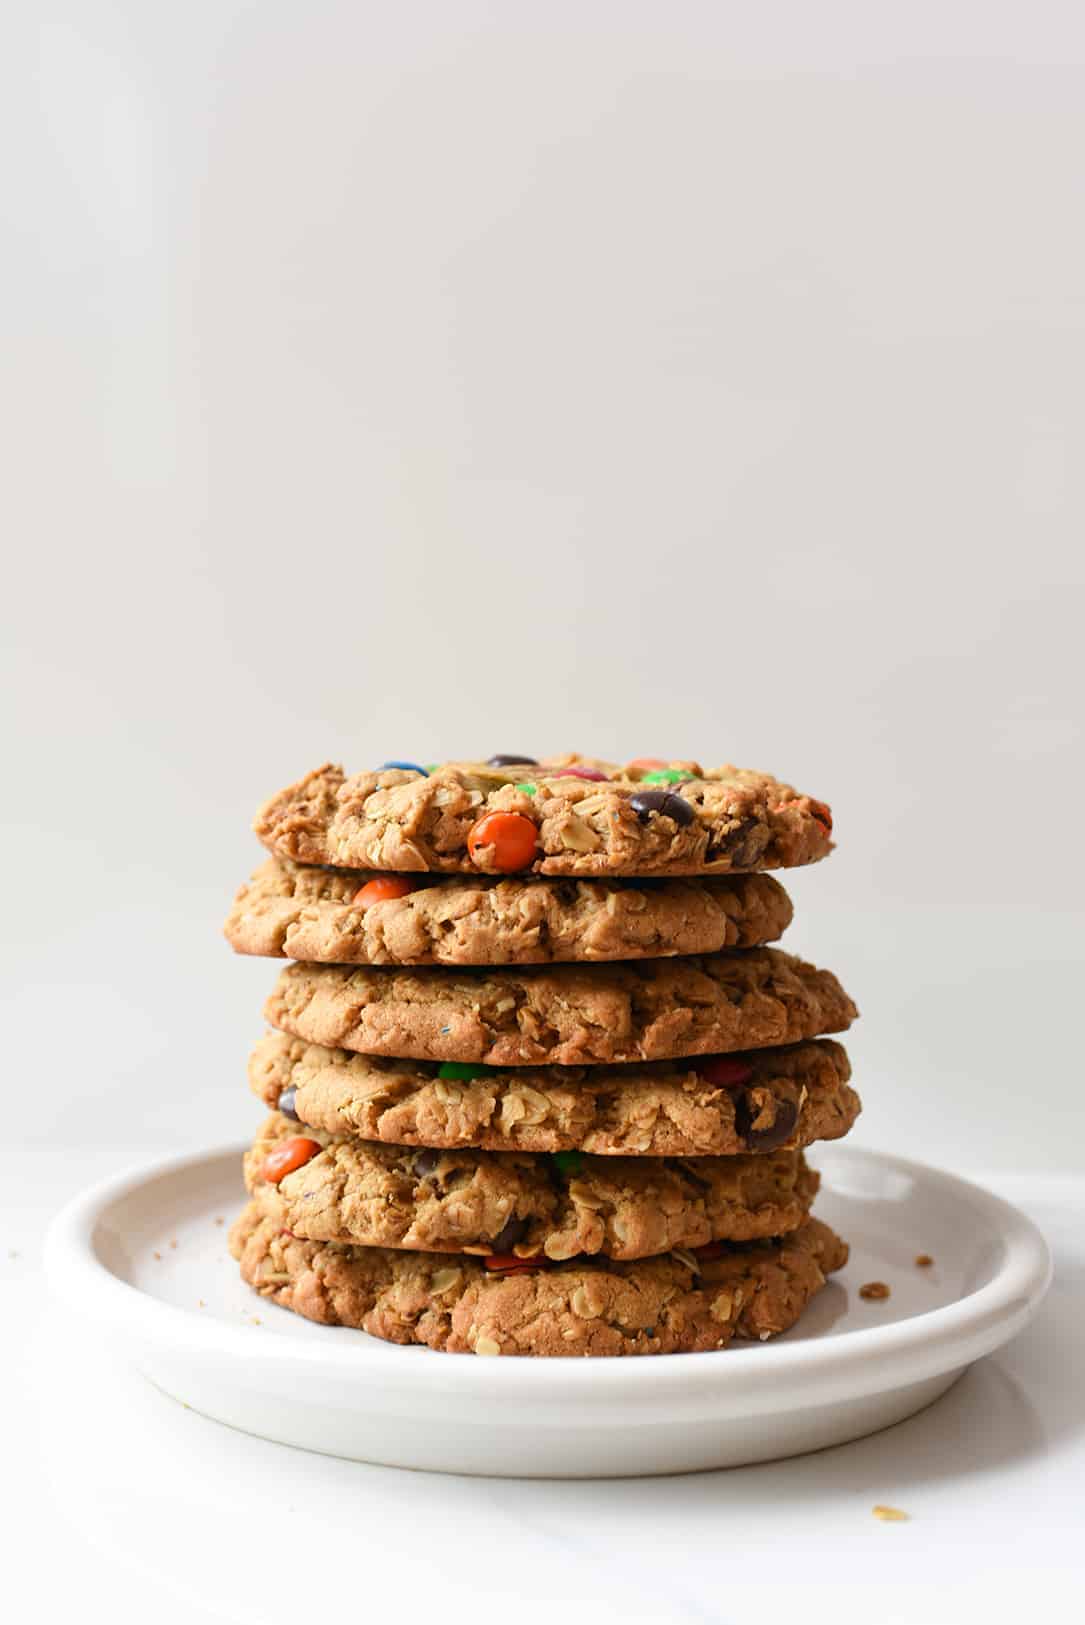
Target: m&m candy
[(383, 887), (464, 1071), (725, 1071), (288, 1155), (504, 841), (663, 802)]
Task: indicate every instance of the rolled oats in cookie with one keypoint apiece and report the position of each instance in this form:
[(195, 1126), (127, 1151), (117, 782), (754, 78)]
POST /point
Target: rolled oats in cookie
[(350, 917), (569, 816), (762, 1100), (675, 1303), (568, 1015), (347, 1189)]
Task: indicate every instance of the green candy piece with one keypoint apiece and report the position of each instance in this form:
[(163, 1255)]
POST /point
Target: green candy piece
[(528, 789), (665, 775), (570, 1162), (431, 767), (464, 1070)]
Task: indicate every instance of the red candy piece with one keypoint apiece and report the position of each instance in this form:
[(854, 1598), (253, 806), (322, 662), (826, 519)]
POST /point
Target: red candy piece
[(823, 814), (592, 773), (511, 1264), (647, 764), (725, 1071), (510, 837), (383, 887), (288, 1155)]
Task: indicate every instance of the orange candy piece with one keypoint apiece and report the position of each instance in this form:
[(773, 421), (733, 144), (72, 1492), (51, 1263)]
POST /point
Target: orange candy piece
[(383, 887), (647, 764), (511, 837), (288, 1155)]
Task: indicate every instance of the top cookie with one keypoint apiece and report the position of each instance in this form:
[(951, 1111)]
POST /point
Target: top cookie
[(571, 816)]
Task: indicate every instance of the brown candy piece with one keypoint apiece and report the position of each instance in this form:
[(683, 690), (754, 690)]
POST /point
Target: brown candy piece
[(663, 802), (775, 1134), (512, 1233)]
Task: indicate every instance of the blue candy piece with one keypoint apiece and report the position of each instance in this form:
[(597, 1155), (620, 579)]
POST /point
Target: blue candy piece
[(408, 767)]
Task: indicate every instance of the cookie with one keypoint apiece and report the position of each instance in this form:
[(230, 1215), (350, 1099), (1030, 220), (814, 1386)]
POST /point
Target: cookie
[(568, 1015), (667, 1305), (518, 1202), (548, 820), (763, 1100), (332, 915)]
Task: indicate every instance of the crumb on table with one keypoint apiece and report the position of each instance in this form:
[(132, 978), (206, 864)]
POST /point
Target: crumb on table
[(923, 1261), (874, 1290), (890, 1514)]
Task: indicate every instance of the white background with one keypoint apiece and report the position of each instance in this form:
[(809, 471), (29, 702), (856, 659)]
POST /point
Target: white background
[(435, 379), (431, 380)]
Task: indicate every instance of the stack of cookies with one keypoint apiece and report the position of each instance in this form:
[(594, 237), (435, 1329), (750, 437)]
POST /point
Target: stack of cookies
[(538, 1084)]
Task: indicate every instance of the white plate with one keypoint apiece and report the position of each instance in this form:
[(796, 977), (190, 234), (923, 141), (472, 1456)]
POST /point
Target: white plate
[(144, 1256)]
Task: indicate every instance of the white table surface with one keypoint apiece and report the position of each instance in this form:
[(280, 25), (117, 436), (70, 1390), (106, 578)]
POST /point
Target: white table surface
[(119, 1494)]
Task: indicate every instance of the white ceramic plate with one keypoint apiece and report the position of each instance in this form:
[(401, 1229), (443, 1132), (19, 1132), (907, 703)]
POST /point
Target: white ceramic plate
[(144, 1256)]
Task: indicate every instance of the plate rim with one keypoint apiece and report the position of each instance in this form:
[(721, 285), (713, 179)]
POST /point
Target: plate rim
[(864, 1361)]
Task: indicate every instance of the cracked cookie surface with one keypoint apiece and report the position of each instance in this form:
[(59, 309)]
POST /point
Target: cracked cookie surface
[(525, 1204), (729, 820), (790, 1098), (569, 1015), (596, 1307), (299, 911)]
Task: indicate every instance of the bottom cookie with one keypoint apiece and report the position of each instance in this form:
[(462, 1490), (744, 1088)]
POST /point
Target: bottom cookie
[(672, 1304)]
